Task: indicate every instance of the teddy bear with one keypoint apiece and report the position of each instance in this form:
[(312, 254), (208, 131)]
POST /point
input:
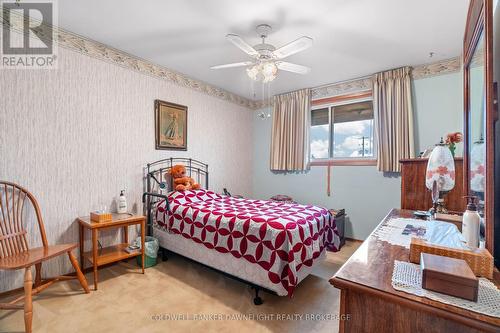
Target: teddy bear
[(179, 179)]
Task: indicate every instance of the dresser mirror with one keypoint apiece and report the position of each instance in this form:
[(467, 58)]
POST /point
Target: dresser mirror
[(478, 116), (477, 121)]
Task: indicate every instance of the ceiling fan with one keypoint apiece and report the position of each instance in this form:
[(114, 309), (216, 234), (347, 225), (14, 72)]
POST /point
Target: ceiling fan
[(266, 58)]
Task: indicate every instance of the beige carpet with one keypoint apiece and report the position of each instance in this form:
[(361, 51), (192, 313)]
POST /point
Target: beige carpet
[(128, 301)]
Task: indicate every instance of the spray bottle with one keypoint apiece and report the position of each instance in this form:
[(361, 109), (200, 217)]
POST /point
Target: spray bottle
[(470, 223), (122, 203)]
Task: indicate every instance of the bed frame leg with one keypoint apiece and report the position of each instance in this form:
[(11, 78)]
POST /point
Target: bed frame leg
[(164, 255), (257, 300)]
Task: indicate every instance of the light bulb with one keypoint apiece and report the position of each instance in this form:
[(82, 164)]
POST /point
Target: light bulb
[(265, 72), (269, 71), (268, 78), (253, 72)]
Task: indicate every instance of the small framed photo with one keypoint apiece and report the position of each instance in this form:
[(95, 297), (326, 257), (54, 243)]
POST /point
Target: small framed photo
[(171, 125)]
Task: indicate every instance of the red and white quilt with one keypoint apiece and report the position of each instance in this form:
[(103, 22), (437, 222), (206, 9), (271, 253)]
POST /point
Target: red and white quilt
[(279, 237)]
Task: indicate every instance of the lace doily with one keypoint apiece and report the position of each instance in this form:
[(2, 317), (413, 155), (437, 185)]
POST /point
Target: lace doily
[(391, 232), (407, 277)]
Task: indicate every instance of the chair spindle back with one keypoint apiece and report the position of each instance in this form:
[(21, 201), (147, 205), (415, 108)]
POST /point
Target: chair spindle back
[(13, 234)]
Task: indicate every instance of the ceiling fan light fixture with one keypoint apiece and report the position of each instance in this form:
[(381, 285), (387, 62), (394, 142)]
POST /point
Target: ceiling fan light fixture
[(253, 72), (265, 72), (266, 59), (269, 69), (268, 79)]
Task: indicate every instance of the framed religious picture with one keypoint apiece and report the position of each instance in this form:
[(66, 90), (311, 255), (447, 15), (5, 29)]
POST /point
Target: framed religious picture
[(170, 125)]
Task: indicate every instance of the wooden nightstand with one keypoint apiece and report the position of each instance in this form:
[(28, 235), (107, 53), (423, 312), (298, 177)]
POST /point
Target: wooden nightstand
[(107, 255)]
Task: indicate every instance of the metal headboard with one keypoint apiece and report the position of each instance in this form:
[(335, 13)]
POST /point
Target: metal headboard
[(157, 176), (158, 182)]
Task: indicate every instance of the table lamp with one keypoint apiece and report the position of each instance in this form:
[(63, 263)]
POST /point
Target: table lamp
[(477, 168), (440, 169), (478, 172)]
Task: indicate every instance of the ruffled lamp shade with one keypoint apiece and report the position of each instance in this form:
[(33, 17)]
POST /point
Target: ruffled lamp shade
[(477, 168), (441, 168)]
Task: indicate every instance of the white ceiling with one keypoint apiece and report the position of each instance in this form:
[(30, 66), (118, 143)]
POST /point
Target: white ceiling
[(352, 38)]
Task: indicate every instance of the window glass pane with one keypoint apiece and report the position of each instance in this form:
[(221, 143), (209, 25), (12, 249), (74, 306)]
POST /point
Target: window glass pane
[(353, 130), (320, 133)]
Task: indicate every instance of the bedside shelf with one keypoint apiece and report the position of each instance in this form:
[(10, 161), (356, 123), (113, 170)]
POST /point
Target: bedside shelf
[(111, 254)]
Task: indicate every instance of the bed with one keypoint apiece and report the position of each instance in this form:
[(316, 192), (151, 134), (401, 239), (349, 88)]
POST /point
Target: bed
[(269, 245)]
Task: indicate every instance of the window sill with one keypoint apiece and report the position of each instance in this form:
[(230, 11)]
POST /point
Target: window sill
[(345, 162)]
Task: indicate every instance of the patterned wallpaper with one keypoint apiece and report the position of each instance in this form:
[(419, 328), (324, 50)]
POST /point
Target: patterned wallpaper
[(77, 135)]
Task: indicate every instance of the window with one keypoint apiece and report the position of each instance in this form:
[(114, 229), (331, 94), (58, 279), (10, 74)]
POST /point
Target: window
[(343, 131)]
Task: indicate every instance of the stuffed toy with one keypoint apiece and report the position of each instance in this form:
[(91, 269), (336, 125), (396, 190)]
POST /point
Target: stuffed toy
[(180, 181)]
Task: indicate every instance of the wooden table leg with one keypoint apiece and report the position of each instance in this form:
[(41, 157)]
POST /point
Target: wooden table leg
[(94, 255), (143, 240), (343, 311), (82, 240), (125, 238), (125, 234)]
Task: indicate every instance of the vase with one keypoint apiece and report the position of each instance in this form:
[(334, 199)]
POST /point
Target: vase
[(452, 149)]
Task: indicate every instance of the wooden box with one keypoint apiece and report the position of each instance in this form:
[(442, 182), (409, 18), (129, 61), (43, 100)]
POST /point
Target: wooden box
[(448, 276), (480, 260), (100, 217)]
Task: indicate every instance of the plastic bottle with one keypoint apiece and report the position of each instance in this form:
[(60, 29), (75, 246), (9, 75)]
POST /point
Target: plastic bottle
[(470, 223), (122, 203)]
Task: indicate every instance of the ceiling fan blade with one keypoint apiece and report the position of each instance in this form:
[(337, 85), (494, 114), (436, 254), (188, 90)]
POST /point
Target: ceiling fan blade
[(289, 67), (234, 64), (242, 45), (296, 46)]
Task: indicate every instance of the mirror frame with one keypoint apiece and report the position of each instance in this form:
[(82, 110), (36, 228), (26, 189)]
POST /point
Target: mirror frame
[(480, 20)]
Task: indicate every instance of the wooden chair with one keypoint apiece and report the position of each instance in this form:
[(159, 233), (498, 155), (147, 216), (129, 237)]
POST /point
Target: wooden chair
[(15, 253)]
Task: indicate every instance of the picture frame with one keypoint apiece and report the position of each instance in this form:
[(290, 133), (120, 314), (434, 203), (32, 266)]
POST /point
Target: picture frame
[(170, 126)]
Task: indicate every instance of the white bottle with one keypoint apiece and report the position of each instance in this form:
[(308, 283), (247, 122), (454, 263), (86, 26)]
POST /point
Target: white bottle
[(122, 203), (470, 223)]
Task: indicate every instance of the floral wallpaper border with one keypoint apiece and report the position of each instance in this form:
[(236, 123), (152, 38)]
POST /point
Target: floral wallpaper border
[(87, 46), (104, 52), (419, 72), (452, 65)]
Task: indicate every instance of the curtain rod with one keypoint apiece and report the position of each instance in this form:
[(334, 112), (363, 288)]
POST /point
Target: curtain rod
[(326, 85), (344, 81)]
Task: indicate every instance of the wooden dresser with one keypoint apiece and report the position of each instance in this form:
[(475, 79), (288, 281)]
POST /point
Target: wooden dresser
[(369, 303), (414, 194)]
